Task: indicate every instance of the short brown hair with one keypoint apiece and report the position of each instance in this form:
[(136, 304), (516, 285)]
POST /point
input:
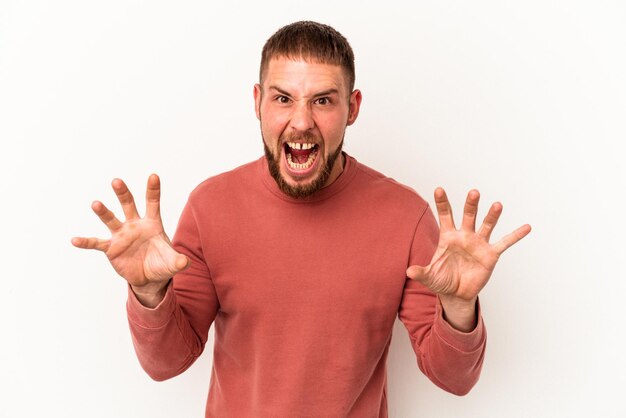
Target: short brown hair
[(310, 41)]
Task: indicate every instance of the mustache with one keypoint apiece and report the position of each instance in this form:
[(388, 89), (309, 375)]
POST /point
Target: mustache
[(299, 137)]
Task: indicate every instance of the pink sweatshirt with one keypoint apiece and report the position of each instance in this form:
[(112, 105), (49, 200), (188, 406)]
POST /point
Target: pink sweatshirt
[(303, 296)]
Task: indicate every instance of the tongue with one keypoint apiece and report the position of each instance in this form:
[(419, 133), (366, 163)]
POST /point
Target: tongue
[(300, 156)]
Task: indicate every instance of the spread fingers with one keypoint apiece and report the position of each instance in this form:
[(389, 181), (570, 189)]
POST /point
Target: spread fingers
[(106, 216), (91, 243), (444, 210), (470, 210), (490, 221), (126, 199), (153, 196), (512, 238)]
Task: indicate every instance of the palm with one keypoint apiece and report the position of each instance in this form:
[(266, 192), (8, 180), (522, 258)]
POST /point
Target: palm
[(464, 259), (139, 250)]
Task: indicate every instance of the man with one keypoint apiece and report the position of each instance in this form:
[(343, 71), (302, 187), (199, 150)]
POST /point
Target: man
[(302, 259)]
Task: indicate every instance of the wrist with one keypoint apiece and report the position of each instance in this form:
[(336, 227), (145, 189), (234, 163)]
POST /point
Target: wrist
[(152, 294), (459, 313)]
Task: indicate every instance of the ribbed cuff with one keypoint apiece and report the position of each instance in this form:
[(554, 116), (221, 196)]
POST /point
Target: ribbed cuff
[(156, 317), (465, 342)]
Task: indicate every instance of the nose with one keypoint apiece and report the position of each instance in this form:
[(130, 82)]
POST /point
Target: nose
[(302, 117)]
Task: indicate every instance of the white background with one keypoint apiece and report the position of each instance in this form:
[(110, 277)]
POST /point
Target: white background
[(525, 100)]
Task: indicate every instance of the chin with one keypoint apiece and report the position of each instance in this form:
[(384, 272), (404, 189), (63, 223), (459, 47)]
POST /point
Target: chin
[(288, 180)]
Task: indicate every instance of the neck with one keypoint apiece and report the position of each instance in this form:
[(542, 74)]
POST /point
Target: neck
[(336, 170)]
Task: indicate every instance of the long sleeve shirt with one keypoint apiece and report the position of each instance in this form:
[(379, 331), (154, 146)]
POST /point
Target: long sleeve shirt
[(303, 294)]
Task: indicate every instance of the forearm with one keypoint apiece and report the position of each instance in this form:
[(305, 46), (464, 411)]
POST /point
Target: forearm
[(453, 359), (164, 341)]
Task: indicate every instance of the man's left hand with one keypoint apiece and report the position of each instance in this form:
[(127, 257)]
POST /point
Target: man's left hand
[(464, 259)]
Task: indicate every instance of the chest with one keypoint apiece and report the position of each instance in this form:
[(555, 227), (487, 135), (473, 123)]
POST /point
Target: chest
[(297, 264)]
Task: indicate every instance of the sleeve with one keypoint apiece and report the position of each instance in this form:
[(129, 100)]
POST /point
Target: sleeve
[(171, 336), (451, 359)]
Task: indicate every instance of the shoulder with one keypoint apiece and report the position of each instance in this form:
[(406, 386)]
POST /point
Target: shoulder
[(228, 183), (383, 189)]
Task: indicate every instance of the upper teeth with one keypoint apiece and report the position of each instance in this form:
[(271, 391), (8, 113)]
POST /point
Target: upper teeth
[(296, 145)]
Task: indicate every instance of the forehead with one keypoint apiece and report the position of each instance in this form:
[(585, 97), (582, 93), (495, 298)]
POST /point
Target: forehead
[(298, 74)]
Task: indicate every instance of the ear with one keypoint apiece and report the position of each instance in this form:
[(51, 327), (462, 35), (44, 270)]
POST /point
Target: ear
[(354, 106), (257, 100)]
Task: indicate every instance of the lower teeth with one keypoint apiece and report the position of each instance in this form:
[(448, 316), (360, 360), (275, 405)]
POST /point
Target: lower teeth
[(303, 166)]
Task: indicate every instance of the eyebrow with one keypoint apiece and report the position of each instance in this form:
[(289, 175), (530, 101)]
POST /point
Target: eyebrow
[(327, 92)]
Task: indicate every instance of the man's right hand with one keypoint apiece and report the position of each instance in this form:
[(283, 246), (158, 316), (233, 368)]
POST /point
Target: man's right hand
[(139, 250)]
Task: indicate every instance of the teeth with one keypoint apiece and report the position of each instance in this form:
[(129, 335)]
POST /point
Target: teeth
[(297, 145), (304, 166)]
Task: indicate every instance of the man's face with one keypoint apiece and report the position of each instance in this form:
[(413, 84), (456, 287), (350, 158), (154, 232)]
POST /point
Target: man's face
[(304, 108)]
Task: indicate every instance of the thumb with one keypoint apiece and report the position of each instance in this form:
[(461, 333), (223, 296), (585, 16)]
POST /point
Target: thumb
[(418, 273), (181, 262)]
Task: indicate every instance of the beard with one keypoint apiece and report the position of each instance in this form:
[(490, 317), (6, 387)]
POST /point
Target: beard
[(305, 190)]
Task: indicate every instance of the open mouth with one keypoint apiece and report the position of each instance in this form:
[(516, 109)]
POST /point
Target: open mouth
[(300, 156)]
